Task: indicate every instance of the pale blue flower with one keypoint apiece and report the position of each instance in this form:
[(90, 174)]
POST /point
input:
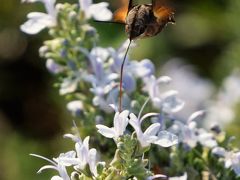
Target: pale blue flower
[(96, 11), (166, 101), (120, 123), (53, 67), (143, 68), (70, 84), (129, 83), (230, 93), (99, 75), (187, 133), (37, 21), (166, 139), (222, 110), (102, 79), (184, 76), (190, 134), (231, 159), (152, 85), (132, 69), (169, 102), (102, 100)]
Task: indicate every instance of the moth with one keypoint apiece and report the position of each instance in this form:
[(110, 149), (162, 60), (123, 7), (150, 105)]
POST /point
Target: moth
[(144, 20), (141, 21)]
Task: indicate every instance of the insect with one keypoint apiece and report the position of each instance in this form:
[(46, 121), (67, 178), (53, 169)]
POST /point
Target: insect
[(141, 21), (144, 20)]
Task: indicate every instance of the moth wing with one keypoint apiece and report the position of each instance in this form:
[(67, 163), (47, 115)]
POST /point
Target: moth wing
[(121, 14), (162, 11)]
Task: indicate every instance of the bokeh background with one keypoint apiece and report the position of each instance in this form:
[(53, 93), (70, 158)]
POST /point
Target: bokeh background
[(199, 52)]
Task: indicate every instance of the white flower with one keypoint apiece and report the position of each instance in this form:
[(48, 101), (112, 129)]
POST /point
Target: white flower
[(82, 155), (120, 123), (92, 161), (231, 159), (57, 165), (75, 107), (37, 21), (164, 138), (183, 177), (149, 136), (98, 11), (82, 149), (85, 156), (206, 138)]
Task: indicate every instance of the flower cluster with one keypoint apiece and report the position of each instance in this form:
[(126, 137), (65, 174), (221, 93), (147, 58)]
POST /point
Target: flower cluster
[(88, 77)]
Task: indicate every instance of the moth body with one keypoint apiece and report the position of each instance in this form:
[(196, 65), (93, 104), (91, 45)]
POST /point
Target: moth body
[(141, 22)]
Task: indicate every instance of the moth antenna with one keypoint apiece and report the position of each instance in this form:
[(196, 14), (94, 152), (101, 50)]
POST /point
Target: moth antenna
[(121, 78)]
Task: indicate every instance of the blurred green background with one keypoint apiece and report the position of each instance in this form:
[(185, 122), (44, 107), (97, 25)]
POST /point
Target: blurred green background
[(32, 114)]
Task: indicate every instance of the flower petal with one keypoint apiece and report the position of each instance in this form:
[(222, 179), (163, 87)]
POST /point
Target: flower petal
[(56, 178), (103, 14), (36, 22), (166, 139), (105, 131), (120, 122), (73, 137), (219, 151), (53, 67), (156, 176), (196, 115), (47, 167), (152, 130), (92, 161), (135, 123), (170, 102)]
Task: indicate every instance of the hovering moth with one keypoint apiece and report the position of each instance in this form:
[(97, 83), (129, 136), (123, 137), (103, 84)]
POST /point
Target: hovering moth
[(141, 21), (144, 20)]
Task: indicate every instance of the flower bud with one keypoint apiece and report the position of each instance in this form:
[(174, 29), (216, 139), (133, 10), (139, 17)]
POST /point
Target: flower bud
[(43, 50), (72, 16)]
